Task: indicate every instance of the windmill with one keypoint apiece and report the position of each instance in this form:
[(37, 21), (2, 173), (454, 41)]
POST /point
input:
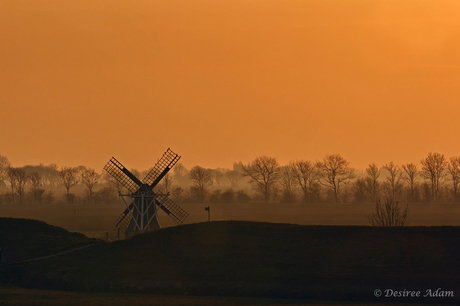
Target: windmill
[(141, 214)]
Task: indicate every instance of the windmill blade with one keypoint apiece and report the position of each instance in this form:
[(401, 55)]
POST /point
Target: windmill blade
[(122, 175), (125, 217), (172, 209), (164, 164)]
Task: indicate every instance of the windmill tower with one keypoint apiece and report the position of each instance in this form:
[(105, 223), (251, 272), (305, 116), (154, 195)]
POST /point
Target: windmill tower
[(141, 214)]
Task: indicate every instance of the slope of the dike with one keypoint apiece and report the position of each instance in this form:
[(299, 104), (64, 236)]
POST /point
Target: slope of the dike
[(236, 258), (23, 239)]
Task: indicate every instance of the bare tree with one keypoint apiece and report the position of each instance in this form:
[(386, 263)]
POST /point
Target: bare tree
[(234, 176), (264, 174), (373, 185), (21, 181), (90, 179), (288, 184), (4, 165), (36, 182), (411, 174), (12, 178), (113, 183), (454, 170), (217, 174), (68, 176), (388, 214), (360, 190), (434, 169), (393, 185), (166, 183), (177, 194), (180, 173), (202, 180), (51, 174), (306, 175), (334, 171)]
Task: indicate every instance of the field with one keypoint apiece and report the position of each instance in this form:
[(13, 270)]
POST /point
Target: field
[(97, 220)]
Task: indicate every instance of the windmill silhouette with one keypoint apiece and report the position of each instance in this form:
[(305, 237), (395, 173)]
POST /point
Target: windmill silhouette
[(141, 215)]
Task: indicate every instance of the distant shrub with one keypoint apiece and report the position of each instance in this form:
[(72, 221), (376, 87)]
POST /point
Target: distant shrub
[(106, 195), (288, 197), (194, 194), (360, 191), (215, 196), (70, 198), (7, 199), (242, 197), (388, 214), (228, 196), (48, 197), (177, 194), (35, 196)]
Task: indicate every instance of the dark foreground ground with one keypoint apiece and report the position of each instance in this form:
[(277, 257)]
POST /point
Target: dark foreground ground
[(22, 296), (245, 259)]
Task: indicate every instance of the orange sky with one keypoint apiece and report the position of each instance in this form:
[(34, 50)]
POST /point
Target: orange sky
[(224, 81)]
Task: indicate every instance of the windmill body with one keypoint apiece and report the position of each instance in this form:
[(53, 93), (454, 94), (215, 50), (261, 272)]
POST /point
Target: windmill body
[(141, 213), (144, 213)]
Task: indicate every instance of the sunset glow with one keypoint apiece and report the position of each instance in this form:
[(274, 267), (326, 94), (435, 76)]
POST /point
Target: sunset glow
[(226, 81)]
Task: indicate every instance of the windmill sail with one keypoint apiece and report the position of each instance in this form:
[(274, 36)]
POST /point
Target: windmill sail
[(164, 164), (173, 210), (141, 214), (122, 175), (125, 218)]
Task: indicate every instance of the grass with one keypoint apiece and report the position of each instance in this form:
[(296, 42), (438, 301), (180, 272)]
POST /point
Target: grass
[(264, 260)]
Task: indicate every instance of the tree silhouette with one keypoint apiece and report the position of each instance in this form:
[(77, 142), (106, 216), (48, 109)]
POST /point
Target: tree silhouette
[(90, 179), (388, 214), (234, 176), (306, 175), (4, 165), (21, 181), (372, 182), (36, 181), (334, 171), (411, 174), (216, 174), (12, 177), (264, 174), (202, 180), (288, 184), (166, 183), (434, 169), (69, 179), (393, 184), (453, 168)]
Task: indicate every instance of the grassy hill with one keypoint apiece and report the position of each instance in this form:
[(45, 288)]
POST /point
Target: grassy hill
[(22, 239), (236, 258)]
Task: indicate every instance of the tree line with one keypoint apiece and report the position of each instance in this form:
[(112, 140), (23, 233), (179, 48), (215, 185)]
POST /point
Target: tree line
[(331, 179), (34, 184)]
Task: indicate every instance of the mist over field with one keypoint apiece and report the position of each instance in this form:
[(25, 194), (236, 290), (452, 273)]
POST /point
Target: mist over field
[(299, 193)]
